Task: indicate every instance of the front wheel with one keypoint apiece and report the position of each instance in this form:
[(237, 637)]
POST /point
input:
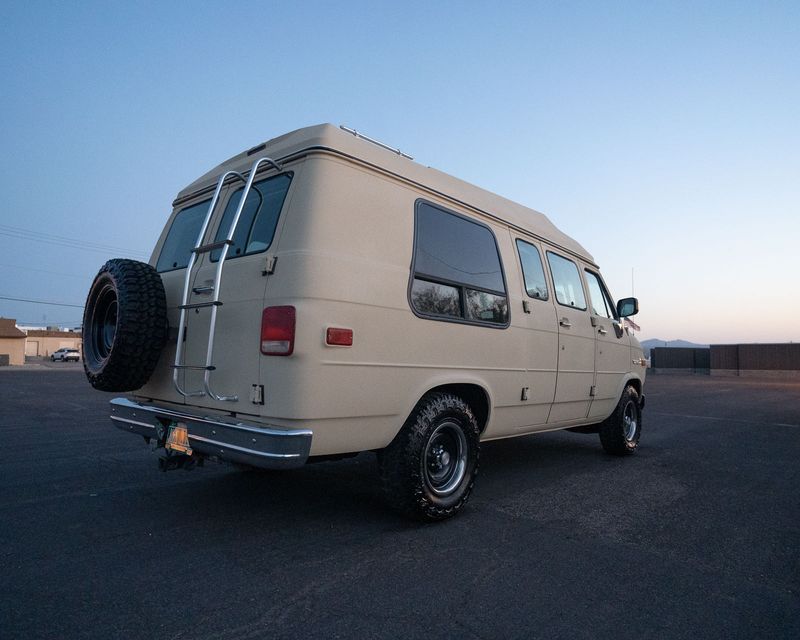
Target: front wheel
[(620, 432), (429, 469)]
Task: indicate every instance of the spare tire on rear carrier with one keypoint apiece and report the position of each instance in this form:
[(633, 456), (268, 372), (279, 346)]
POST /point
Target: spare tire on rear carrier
[(124, 325)]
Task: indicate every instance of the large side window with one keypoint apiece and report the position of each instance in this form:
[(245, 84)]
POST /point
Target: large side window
[(259, 217), (598, 295), (457, 271), (566, 281), (532, 270), (182, 237)]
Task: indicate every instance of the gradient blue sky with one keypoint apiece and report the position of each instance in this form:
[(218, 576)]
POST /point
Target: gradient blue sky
[(664, 136)]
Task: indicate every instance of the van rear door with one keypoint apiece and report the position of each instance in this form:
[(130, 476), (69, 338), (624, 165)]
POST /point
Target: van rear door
[(234, 341), (173, 252)]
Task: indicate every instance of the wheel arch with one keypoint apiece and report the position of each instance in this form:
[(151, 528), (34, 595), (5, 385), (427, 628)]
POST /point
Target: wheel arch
[(629, 380), (473, 393), (632, 381)]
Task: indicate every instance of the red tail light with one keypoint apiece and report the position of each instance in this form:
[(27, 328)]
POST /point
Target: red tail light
[(277, 331)]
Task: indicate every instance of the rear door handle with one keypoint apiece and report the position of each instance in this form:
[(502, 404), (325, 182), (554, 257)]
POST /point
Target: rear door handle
[(564, 322), (202, 289)]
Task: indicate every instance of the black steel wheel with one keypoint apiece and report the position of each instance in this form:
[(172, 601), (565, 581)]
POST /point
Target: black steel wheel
[(429, 469), (620, 432), (124, 325), (444, 463)]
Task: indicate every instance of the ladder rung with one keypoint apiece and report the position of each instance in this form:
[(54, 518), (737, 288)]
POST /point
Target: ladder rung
[(200, 305), (192, 368), (210, 247)]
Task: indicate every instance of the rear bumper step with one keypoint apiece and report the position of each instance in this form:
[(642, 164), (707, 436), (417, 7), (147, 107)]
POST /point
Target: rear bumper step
[(265, 447)]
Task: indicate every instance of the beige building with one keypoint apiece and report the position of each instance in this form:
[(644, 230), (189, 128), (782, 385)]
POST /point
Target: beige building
[(12, 342), (42, 343)]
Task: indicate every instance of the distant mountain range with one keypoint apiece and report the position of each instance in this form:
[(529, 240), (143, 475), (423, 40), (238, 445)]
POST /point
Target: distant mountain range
[(655, 342)]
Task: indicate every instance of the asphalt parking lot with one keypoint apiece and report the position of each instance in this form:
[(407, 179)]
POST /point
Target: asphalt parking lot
[(698, 535)]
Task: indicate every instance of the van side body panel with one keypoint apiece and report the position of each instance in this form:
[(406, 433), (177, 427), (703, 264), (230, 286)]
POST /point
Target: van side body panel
[(335, 266)]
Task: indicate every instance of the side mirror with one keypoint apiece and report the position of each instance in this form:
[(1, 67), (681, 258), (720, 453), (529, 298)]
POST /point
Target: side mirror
[(627, 307)]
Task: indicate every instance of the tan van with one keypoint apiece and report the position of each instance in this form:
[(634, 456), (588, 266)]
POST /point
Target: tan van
[(322, 294)]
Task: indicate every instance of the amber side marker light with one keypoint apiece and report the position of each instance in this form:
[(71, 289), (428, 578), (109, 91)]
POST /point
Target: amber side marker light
[(337, 337), (277, 331)]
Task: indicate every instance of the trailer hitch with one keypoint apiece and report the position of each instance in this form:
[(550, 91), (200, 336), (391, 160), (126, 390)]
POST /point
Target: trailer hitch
[(172, 461)]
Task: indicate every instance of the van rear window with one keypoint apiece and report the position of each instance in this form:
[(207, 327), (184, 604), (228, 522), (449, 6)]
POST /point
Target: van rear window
[(182, 237), (259, 217), (457, 271)]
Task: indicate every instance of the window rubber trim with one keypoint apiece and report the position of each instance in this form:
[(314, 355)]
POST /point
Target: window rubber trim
[(580, 279), (460, 285)]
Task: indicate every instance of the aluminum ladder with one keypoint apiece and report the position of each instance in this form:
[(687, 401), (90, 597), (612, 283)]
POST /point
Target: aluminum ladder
[(215, 303)]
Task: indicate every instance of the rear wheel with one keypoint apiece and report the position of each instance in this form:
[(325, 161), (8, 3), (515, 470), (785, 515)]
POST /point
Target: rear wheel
[(429, 469), (620, 432), (124, 325)]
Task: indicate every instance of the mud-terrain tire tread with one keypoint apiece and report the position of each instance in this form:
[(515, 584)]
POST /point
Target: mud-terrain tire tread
[(400, 462), (612, 429), (141, 331)]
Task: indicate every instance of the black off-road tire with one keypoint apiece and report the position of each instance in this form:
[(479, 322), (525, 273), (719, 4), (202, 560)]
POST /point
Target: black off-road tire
[(124, 325), (620, 432), (414, 467)]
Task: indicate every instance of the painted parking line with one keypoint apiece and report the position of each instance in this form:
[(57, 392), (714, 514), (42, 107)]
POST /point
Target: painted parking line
[(717, 419)]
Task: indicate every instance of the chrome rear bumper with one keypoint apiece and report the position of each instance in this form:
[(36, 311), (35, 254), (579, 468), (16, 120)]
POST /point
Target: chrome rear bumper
[(265, 447)]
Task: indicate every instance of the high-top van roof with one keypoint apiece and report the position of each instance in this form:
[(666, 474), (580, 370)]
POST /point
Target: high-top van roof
[(329, 138)]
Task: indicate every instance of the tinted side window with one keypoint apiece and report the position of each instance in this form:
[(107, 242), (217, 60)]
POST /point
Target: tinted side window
[(486, 307), (532, 270), (259, 217), (566, 281), (457, 270), (454, 249), (601, 301), (436, 299), (182, 237)]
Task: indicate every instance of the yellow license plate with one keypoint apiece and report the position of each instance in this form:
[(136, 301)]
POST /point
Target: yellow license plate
[(178, 439)]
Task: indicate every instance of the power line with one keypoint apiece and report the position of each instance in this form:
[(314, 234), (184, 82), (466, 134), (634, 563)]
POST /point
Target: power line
[(74, 245), (53, 236), (63, 241), (54, 304), (52, 273)]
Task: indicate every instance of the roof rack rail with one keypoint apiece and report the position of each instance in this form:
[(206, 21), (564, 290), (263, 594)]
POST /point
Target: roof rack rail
[(376, 142)]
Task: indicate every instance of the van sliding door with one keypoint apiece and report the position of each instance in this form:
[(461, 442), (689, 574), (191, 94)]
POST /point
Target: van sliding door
[(576, 347), (541, 346)]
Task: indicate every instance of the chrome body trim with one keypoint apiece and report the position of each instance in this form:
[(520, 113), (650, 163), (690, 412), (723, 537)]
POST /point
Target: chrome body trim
[(265, 447)]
